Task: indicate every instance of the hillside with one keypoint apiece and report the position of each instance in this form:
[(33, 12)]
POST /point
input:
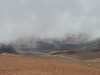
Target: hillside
[(92, 46), (86, 51), (44, 65)]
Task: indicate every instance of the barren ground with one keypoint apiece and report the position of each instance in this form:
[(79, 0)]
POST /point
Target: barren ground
[(46, 65)]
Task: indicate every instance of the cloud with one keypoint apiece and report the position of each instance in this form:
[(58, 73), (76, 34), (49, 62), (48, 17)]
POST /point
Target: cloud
[(48, 18)]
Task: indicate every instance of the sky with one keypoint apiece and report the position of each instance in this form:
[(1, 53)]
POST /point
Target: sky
[(48, 18)]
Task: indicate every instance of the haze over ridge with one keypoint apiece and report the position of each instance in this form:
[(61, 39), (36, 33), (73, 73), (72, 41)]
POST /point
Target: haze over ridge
[(48, 18)]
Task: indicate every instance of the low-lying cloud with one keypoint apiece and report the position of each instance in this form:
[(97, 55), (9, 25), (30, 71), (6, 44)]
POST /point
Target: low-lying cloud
[(48, 18)]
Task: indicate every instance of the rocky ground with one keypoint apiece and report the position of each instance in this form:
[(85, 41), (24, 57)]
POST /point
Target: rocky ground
[(46, 65)]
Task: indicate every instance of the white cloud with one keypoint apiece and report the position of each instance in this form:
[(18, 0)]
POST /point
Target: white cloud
[(48, 18)]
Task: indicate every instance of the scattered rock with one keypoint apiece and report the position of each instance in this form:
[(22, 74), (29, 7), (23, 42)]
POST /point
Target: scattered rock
[(89, 65)]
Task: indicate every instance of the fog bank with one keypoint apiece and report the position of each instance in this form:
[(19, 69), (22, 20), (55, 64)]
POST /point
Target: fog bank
[(48, 18)]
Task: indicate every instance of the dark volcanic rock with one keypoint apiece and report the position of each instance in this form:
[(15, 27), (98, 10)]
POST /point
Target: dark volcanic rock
[(8, 49), (47, 48)]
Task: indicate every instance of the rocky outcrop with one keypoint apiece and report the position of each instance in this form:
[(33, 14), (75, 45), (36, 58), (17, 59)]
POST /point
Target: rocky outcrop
[(60, 52)]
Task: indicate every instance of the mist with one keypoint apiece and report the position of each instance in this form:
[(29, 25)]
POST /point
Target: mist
[(48, 18)]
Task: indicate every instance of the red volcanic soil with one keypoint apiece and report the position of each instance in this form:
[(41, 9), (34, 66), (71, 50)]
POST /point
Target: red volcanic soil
[(43, 65)]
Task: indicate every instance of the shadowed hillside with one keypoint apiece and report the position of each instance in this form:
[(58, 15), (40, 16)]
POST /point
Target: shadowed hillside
[(90, 50), (92, 46), (8, 49)]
